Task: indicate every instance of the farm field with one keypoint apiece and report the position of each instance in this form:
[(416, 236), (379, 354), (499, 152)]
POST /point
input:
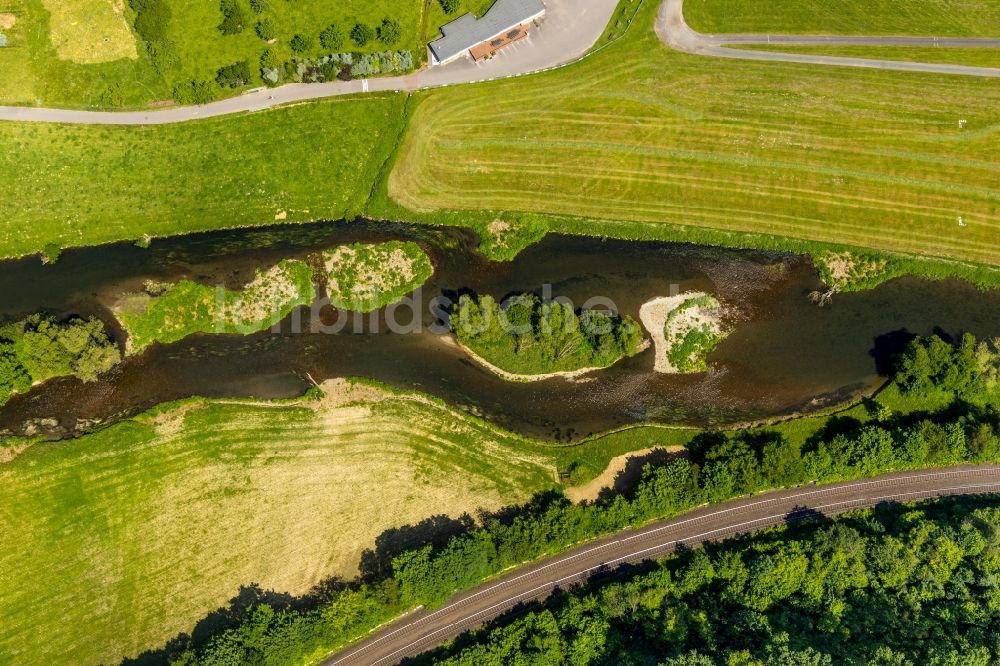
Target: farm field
[(972, 57), (656, 139), (86, 184), (138, 531), (941, 18)]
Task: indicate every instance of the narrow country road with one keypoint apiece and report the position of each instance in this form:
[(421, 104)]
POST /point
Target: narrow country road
[(568, 31), (423, 630), (674, 31)]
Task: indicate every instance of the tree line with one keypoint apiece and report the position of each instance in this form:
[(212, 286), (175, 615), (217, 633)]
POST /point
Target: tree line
[(894, 586)]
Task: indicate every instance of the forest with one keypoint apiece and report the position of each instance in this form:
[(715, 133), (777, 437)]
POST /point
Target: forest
[(898, 585)]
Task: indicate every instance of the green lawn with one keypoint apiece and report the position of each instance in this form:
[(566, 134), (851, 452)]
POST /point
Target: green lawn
[(972, 57), (84, 185), (641, 141), (34, 73), (953, 18)]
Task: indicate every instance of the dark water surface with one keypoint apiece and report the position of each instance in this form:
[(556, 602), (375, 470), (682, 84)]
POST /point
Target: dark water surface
[(785, 354)]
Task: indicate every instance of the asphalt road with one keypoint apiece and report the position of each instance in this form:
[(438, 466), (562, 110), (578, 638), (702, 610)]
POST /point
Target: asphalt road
[(570, 28), (423, 630), (674, 31)]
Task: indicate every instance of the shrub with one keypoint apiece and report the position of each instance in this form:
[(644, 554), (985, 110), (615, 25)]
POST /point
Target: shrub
[(235, 75), (331, 38), (194, 92), (265, 29), (362, 33), (234, 17), (300, 43), (259, 6), (14, 378), (269, 59), (449, 6), (389, 32)]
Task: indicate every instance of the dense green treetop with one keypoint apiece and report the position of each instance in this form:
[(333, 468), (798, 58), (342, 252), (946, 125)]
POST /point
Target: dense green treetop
[(530, 336)]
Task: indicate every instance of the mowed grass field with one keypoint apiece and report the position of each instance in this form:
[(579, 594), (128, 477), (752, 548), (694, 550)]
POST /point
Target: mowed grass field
[(952, 18), (87, 184), (116, 542), (641, 134)]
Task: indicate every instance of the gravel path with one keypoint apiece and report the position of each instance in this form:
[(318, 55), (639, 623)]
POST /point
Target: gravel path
[(674, 31), (570, 28)]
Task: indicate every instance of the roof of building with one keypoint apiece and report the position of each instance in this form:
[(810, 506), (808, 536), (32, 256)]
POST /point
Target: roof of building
[(467, 31)]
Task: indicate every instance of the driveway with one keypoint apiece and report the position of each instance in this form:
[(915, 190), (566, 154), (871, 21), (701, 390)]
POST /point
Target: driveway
[(568, 30), (674, 31)]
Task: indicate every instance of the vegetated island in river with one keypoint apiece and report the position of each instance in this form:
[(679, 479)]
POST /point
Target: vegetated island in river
[(685, 330), (169, 312), (364, 277), (528, 339), (38, 348)]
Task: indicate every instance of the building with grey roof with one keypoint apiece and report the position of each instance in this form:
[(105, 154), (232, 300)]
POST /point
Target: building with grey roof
[(504, 23)]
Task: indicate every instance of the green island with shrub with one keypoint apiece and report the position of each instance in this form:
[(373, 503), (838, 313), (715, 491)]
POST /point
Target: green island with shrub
[(528, 336), (169, 312), (363, 277), (690, 342), (38, 348)]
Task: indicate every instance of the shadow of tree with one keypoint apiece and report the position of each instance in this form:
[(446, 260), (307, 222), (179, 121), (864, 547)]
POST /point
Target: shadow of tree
[(435, 531), (627, 480), (217, 621)]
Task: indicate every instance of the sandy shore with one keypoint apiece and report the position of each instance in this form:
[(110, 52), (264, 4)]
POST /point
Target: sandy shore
[(514, 377), (653, 315)]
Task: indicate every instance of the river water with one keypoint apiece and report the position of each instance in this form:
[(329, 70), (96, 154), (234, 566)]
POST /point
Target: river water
[(784, 355)]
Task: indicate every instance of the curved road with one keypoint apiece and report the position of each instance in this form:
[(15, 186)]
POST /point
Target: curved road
[(674, 31), (422, 630), (568, 31)]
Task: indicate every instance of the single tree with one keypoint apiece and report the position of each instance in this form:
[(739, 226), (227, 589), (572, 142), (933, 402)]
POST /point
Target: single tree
[(389, 32), (362, 33), (331, 38)]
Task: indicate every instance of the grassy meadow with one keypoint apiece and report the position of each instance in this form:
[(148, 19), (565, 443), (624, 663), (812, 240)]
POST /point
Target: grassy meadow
[(58, 56), (85, 184), (657, 140), (941, 18), (127, 537), (39, 65)]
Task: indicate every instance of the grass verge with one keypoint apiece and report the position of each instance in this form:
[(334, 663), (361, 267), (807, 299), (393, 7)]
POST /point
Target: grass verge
[(72, 185)]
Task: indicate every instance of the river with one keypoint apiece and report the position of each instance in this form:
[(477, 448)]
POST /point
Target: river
[(784, 355)]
